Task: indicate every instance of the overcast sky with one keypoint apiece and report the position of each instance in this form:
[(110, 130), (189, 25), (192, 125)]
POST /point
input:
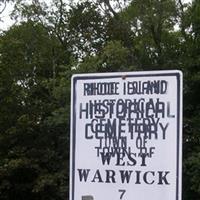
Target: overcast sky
[(7, 22)]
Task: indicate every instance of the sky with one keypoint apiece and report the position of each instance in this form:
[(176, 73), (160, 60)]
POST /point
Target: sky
[(6, 21)]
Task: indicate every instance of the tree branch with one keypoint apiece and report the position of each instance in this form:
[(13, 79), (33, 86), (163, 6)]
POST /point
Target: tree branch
[(182, 26), (107, 3), (5, 4)]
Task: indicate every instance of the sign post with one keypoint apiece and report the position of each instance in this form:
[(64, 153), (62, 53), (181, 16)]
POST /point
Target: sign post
[(126, 136)]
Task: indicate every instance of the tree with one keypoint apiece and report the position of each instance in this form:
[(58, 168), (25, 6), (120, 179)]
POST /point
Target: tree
[(38, 57), (33, 163)]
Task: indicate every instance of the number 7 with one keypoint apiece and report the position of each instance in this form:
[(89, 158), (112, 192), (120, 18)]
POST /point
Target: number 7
[(122, 193)]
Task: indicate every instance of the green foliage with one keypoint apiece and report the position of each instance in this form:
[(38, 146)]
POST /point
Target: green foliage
[(31, 145), (113, 57), (38, 57)]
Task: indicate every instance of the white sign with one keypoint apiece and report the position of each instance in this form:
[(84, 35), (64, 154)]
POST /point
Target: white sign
[(126, 136)]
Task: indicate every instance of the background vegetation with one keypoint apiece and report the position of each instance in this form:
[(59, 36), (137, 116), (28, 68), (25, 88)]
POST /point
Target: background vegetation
[(49, 43)]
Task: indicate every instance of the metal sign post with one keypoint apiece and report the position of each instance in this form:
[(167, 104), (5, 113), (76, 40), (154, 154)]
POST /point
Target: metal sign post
[(126, 136), (87, 197)]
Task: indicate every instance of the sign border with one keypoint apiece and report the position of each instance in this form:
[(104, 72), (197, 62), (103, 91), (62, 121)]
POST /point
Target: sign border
[(95, 76)]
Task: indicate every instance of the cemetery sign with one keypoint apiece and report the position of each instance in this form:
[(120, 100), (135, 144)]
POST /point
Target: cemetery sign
[(126, 136)]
